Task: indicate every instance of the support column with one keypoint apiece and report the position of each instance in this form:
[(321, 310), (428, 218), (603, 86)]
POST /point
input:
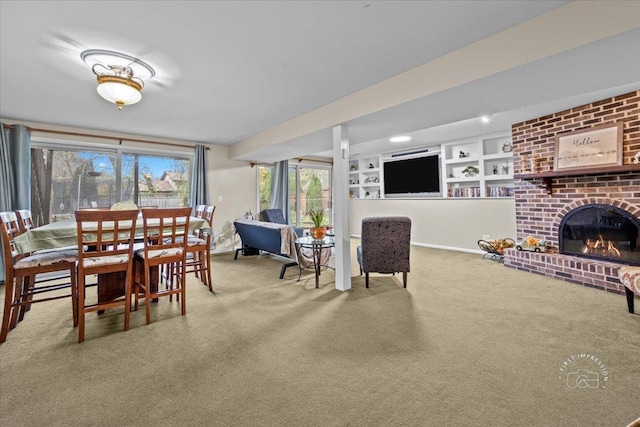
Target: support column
[(341, 207)]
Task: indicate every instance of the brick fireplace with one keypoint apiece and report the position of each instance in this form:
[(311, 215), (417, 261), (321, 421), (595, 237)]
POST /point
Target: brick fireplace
[(543, 197)]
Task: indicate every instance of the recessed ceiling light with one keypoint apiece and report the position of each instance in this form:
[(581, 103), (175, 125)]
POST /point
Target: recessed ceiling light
[(402, 138), (485, 119)]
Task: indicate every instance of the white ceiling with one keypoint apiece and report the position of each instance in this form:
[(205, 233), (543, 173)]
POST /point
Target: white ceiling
[(229, 70)]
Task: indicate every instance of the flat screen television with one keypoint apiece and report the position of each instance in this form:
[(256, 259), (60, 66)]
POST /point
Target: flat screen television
[(418, 176)]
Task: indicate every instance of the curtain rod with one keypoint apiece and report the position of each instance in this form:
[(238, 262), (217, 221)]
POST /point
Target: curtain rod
[(299, 159), (115, 138), (302, 159)]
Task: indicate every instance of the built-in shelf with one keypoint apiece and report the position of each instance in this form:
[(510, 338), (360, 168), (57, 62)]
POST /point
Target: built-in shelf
[(547, 177), (365, 178), (493, 164)]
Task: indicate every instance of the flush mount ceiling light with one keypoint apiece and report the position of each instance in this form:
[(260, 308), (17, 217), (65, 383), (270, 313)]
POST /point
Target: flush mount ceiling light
[(485, 119), (120, 76), (402, 138)]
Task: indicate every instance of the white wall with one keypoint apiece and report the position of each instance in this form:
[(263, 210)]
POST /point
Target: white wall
[(443, 223), (235, 183)]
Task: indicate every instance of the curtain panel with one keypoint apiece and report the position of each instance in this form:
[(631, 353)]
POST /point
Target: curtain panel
[(280, 189), (199, 192), (15, 173)]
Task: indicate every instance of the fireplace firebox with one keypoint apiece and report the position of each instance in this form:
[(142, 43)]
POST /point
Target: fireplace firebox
[(601, 231)]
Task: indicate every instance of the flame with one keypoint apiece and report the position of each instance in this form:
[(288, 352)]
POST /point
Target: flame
[(600, 247)]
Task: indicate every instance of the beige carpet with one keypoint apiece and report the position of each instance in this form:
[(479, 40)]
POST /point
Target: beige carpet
[(469, 343)]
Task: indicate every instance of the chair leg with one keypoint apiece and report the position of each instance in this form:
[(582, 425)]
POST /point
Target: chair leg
[(6, 314), (207, 263), (147, 298), (183, 289), (629, 299), (404, 278), (169, 279), (74, 293), (16, 308), (127, 299), (80, 309), (28, 282), (366, 279), (136, 282)]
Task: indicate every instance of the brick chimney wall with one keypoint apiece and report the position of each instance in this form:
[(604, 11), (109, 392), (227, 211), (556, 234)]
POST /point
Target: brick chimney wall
[(539, 214)]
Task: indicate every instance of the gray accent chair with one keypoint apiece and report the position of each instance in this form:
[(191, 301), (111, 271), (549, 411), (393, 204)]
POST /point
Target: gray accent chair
[(385, 245), (276, 216)]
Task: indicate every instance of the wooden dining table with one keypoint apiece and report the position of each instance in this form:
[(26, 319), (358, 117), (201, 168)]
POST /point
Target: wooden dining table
[(65, 233)]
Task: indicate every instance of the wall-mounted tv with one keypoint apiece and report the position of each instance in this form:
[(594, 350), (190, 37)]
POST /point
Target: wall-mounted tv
[(418, 176)]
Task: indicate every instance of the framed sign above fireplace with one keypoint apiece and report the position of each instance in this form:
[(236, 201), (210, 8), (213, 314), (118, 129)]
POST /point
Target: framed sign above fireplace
[(589, 148)]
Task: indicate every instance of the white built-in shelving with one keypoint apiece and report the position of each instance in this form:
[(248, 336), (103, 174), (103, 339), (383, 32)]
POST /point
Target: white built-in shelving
[(492, 165), (366, 178), (489, 156)]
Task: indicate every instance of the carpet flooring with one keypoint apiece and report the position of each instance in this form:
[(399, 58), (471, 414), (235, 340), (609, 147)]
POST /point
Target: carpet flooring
[(468, 343)]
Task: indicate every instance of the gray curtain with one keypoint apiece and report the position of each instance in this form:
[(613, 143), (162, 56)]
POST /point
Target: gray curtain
[(199, 194), (15, 173), (280, 189)]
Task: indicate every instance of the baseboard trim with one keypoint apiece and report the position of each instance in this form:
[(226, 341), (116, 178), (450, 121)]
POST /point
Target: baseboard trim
[(446, 248)]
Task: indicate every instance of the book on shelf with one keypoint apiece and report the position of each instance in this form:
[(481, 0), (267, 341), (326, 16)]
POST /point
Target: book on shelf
[(500, 192), (464, 192)]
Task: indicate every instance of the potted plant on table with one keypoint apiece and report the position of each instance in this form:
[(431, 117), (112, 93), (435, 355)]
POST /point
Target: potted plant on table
[(317, 231)]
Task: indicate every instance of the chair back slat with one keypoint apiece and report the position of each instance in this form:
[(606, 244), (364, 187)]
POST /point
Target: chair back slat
[(26, 219), (208, 214), (199, 211), (10, 230), (164, 230), (105, 233)]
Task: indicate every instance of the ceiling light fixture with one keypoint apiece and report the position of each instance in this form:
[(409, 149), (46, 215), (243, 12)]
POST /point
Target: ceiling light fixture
[(485, 119), (402, 138), (120, 76)]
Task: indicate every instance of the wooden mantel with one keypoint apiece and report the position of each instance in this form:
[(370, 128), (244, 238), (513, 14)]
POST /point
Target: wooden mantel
[(547, 177)]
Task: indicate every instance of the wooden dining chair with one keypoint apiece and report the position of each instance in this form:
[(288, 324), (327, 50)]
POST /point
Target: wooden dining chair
[(105, 246), (166, 232), (25, 219), (23, 287), (199, 249)]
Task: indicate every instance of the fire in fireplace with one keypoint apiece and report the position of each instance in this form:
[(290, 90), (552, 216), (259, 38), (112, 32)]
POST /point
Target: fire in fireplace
[(601, 231), (601, 248)]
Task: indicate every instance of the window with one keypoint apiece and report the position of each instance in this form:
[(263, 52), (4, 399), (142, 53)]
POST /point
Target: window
[(314, 193), (309, 188), (67, 178), (161, 181), (265, 173)]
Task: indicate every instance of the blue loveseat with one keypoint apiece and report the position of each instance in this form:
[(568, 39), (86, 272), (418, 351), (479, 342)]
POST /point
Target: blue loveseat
[(277, 239)]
